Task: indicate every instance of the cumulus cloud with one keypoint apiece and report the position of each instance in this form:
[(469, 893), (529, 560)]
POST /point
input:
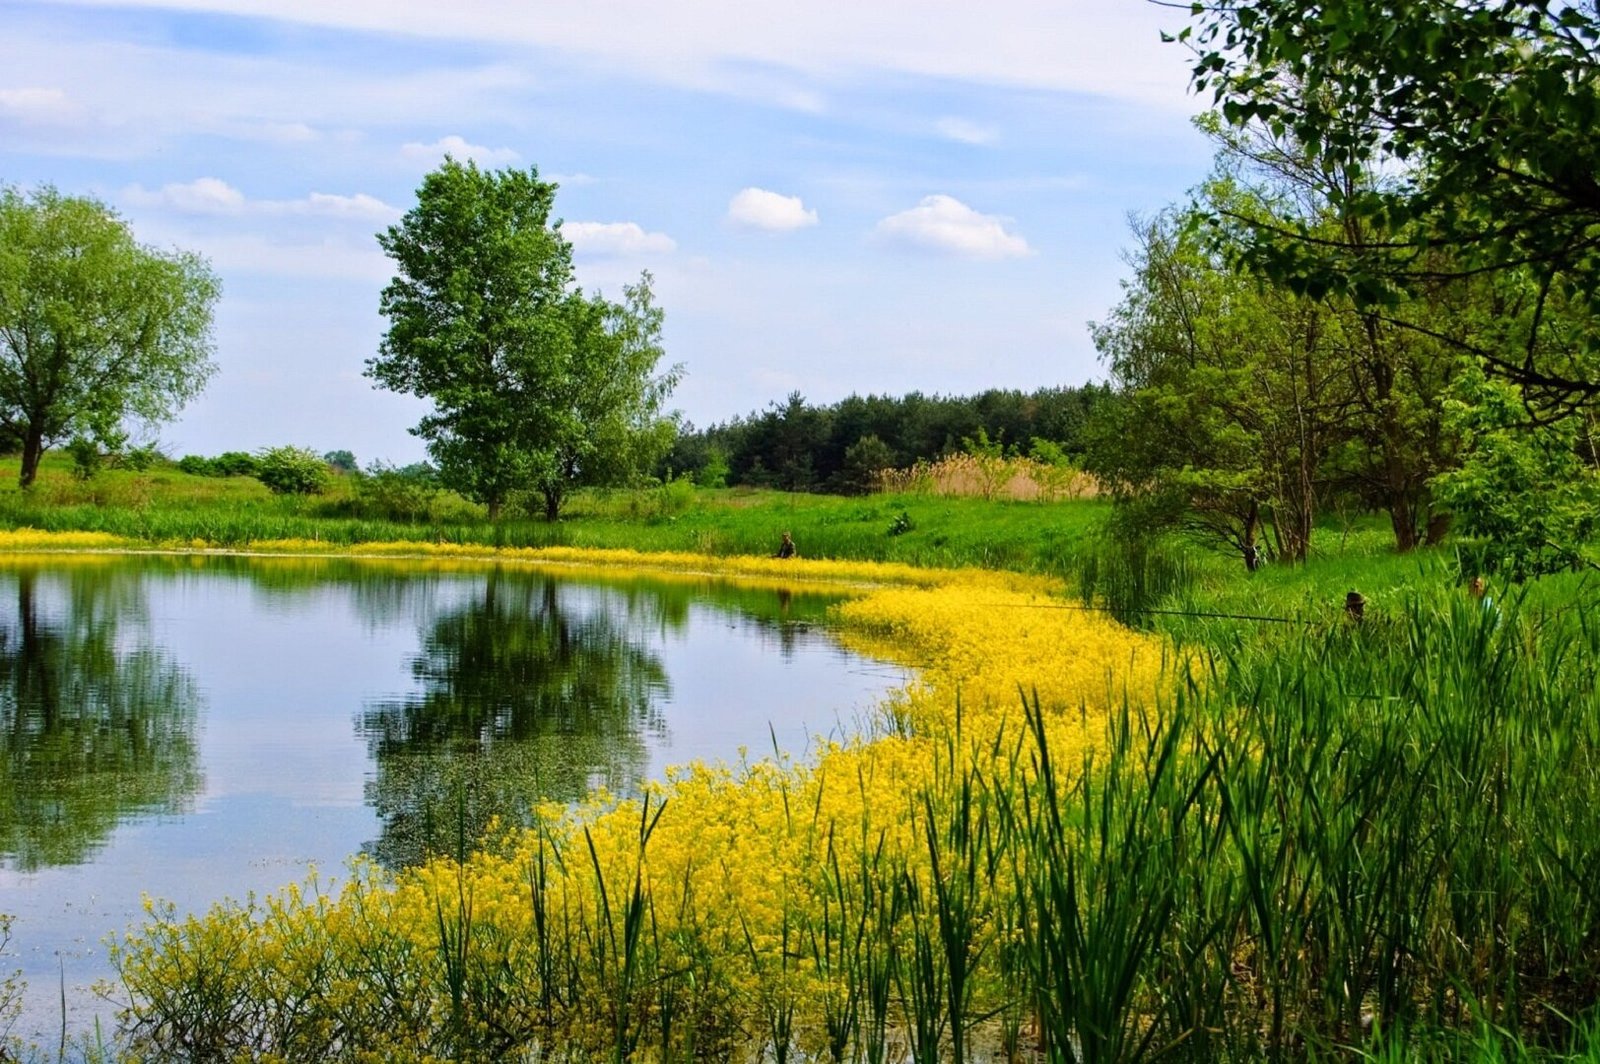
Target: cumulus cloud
[(756, 208), (616, 238), (945, 224), (462, 150), (203, 195), (967, 132), (212, 195)]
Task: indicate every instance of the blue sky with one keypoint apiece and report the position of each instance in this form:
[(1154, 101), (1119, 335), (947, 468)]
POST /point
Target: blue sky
[(833, 197)]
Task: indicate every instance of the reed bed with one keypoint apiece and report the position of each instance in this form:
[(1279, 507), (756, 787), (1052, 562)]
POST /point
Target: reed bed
[(990, 477)]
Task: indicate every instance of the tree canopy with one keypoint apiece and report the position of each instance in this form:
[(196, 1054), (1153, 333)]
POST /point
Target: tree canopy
[(94, 327), (536, 386), (1472, 121)]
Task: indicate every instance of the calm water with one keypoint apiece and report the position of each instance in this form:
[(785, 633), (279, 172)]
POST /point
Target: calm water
[(198, 729)]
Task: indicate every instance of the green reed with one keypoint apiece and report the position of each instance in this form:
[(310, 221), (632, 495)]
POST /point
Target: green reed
[(618, 953)]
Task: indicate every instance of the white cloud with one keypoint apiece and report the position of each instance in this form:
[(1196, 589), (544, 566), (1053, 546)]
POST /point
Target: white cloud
[(577, 180), (967, 132), (360, 206), (213, 196), (1104, 47), (945, 224), (616, 238), (41, 107), (268, 132), (757, 208), (461, 149), (203, 195)]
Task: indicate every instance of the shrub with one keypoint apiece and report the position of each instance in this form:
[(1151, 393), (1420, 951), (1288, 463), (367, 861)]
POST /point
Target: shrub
[(292, 471), (140, 459), (396, 494), (341, 461), (87, 461), (234, 464)]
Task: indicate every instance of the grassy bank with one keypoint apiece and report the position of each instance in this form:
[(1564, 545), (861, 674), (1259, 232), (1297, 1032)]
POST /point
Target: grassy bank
[(169, 507)]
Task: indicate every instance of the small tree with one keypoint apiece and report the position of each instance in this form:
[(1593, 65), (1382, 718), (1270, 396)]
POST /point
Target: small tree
[(292, 471), (864, 463), (341, 461), (94, 327)]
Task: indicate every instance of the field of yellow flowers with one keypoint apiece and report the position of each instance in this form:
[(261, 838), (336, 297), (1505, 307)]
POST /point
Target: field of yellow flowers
[(831, 907)]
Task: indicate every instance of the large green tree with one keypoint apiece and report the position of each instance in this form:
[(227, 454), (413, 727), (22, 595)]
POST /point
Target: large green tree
[(535, 385), (1478, 118), (94, 327), (1231, 394)]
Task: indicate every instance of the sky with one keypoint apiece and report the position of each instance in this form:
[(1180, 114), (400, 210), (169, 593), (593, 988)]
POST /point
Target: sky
[(835, 197)]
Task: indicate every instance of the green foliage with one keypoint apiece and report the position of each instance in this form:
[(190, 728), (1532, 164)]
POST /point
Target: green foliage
[(864, 463), (234, 464), (292, 470), (226, 464), (142, 458), (341, 461), (94, 328), (87, 460), (1229, 393), (1472, 118), (534, 384), (1527, 494), (714, 474), (902, 524), (803, 446), (1128, 575), (396, 494)]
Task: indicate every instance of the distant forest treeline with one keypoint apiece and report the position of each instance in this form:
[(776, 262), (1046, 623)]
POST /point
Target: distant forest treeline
[(797, 446)]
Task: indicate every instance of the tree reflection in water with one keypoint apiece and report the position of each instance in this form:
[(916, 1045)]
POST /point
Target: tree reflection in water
[(528, 693), (96, 726)]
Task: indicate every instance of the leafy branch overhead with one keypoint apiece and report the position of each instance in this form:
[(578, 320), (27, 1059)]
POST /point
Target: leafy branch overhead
[(1465, 128)]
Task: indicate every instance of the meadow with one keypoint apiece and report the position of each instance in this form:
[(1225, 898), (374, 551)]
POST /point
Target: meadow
[(1244, 827)]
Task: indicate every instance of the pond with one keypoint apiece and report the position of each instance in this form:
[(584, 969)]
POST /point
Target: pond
[(199, 728)]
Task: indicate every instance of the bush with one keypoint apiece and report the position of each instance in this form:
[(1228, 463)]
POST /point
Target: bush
[(87, 461), (140, 459), (397, 494), (341, 461), (292, 471), (234, 464)]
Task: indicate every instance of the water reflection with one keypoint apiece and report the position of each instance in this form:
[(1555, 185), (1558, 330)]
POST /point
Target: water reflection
[(96, 724), (532, 690)]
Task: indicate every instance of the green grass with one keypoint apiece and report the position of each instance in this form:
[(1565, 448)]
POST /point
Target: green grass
[(173, 507)]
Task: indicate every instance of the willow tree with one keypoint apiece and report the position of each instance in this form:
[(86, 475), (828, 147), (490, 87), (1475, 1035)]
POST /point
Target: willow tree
[(95, 328), (536, 386)]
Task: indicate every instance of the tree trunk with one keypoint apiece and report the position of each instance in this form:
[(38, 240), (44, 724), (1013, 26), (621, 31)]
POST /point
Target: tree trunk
[(493, 503), (1438, 528), (1252, 525), (1403, 519), (32, 451), (552, 504)]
